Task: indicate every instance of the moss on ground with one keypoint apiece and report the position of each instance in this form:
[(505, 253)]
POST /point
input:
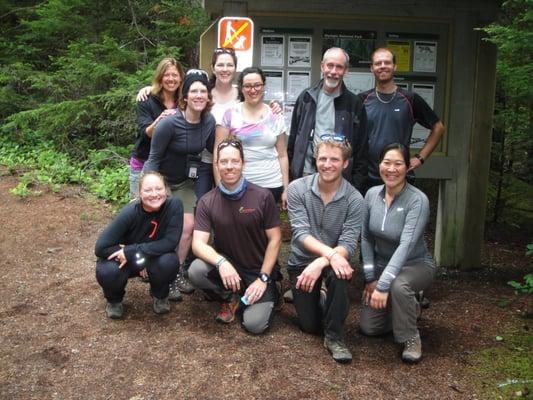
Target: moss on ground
[(505, 371)]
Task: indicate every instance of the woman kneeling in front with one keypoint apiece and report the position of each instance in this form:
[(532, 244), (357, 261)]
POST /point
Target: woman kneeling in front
[(141, 241), (397, 264)]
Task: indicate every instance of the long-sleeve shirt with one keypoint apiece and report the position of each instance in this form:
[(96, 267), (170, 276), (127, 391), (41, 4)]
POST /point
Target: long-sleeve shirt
[(149, 233), (394, 237), (350, 121), (147, 113), (337, 223), (173, 140)]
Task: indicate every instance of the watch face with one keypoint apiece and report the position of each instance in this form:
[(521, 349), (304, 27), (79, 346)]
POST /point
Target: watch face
[(264, 277)]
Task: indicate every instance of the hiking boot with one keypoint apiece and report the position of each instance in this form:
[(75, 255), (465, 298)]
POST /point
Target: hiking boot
[(182, 282), (412, 350), (161, 306), (114, 310), (174, 293), (227, 311), (338, 350)]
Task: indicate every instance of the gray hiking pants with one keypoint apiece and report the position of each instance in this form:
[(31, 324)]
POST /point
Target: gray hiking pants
[(402, 309), (257, 317)]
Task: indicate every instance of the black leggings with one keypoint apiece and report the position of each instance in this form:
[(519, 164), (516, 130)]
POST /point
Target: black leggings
[(161, 270), (276, 192)]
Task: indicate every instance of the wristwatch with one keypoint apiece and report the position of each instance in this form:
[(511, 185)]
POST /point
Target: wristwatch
[(264, 277)]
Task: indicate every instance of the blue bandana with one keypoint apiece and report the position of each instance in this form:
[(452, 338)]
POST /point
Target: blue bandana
[(236, 193)]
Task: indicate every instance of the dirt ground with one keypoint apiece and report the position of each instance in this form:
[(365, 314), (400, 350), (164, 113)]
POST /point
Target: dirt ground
[(56, 342)]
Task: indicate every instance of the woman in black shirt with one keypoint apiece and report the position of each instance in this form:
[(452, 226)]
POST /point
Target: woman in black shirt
[(176, 143), (160, 101), (141, 241)]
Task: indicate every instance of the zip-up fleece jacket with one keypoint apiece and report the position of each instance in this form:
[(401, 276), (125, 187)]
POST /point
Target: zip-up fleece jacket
[(350, 121), (394, 237)]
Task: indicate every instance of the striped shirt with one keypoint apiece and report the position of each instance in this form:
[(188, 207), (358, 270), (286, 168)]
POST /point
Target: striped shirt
[(337, 223)]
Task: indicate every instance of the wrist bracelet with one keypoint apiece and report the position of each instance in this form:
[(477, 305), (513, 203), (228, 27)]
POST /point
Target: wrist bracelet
[(220, 261), (332, 254), (420, 158)]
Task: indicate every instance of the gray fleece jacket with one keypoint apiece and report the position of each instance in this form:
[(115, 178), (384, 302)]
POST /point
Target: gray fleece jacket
[(393, 237), (337, 223)]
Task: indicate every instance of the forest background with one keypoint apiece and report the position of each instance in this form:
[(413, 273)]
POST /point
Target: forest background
[(70, 69)]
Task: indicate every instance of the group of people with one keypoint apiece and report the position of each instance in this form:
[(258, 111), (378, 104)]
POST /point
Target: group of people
[(210, 167)]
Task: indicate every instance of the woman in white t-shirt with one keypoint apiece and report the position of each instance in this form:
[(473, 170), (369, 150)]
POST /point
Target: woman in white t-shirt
[(225, 95), (262, 133)]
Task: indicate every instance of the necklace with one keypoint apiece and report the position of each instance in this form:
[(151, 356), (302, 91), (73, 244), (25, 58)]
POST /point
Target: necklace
[(393, 95)]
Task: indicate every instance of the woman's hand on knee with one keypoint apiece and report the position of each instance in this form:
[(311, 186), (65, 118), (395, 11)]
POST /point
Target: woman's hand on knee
[(378, 300), (367, 292)]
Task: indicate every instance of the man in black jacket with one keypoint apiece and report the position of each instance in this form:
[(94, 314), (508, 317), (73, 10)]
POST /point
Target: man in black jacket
[(325, 109)]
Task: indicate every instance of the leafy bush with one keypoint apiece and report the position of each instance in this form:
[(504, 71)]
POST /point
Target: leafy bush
[(103, 173), (527, 286), (70, 70)]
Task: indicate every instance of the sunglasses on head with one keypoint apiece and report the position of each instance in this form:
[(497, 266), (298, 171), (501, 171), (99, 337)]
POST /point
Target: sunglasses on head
[(336, 137), (221, 50), (193, 71), (233, 143)]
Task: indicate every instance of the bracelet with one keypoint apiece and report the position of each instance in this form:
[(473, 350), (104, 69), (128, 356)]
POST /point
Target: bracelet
[(220, 261), (332, 254), (420, 158)]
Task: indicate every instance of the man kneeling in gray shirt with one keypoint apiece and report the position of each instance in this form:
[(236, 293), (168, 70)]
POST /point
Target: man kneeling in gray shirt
[(325, 212)]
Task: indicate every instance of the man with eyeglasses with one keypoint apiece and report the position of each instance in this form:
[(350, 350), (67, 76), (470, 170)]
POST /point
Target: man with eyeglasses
[(327, 108), (242, 260), (325, 211)]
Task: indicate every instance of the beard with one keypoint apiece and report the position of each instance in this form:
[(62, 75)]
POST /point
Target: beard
[(331, 83)]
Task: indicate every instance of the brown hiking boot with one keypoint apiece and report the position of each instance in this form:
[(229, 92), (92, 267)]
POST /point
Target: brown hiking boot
[(182, 282), (227, 311), (412, 350)]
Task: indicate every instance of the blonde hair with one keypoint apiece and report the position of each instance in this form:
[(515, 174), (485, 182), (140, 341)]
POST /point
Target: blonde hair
[(162, 67), (344, 146)]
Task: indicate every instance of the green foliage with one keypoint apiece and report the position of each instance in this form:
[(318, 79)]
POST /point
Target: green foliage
[(526, 287), (69, 73), (513, 36), (103, 173), (505, 368), (515, 205)]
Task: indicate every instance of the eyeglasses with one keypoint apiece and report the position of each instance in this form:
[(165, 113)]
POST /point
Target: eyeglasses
[(193, 71), (233, 143), (228, 50), (336, 137), (256, 86)]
